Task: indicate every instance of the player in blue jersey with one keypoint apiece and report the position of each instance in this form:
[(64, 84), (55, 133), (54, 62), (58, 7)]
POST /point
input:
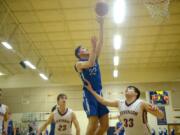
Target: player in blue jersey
[(11, 127), (88, 68)]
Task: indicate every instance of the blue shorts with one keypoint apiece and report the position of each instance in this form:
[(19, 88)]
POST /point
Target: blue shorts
[(92, 107)]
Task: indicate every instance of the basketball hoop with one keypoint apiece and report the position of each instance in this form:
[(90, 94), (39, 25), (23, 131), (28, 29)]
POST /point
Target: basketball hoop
[(158, 9)]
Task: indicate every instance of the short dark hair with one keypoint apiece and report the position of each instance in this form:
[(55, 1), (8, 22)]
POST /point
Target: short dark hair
[(77, 51), (60, 96), (136, 90)]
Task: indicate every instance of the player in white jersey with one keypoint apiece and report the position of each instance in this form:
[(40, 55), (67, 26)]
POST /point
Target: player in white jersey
[(133, 111), (63, 118), (3, 116)]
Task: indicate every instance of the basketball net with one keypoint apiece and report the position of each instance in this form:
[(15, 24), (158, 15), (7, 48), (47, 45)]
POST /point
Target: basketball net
[(158, 9)]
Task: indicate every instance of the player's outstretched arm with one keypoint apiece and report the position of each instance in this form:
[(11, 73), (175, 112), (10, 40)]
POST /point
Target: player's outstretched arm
[(154, 110), (113, 103), (92, 58), (44, 126), (76, 123), (100, 20)]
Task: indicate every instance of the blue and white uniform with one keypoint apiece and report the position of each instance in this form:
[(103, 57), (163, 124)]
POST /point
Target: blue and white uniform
[(91, 106)]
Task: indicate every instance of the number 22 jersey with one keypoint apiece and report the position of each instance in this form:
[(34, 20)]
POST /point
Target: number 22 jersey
[(134, 118), (63, 122)]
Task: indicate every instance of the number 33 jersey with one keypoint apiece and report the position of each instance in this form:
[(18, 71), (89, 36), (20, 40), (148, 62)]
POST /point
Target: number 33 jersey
[(134, 118), (63, 122)]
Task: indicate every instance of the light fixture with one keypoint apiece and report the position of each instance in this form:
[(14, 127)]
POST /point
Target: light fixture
[(7, 45), (115, 73), (29, 64), (119, 11), (117, 41), (43, 76), (1, 74), (116, 60)]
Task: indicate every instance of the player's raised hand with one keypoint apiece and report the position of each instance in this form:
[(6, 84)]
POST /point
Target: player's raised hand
[(100, 19), (94, 42), (88, 85), (152, 107)]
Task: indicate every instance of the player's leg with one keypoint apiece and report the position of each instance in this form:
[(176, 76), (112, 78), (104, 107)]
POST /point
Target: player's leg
[(90, 107), (103, 119), (104, 125), (92, 125)]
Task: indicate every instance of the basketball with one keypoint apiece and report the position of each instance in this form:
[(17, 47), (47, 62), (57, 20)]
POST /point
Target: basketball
[(101, 8)]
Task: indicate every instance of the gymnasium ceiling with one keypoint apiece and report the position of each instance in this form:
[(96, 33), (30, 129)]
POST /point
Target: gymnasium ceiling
[(47, 31)]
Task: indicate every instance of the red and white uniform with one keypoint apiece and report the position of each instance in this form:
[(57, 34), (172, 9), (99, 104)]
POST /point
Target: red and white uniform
[(134, 118), (63, 122)]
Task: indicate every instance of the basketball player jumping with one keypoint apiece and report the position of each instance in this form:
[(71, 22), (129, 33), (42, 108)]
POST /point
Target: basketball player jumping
[(88, 68), (3, 116), (63, 118), (133, 111)]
